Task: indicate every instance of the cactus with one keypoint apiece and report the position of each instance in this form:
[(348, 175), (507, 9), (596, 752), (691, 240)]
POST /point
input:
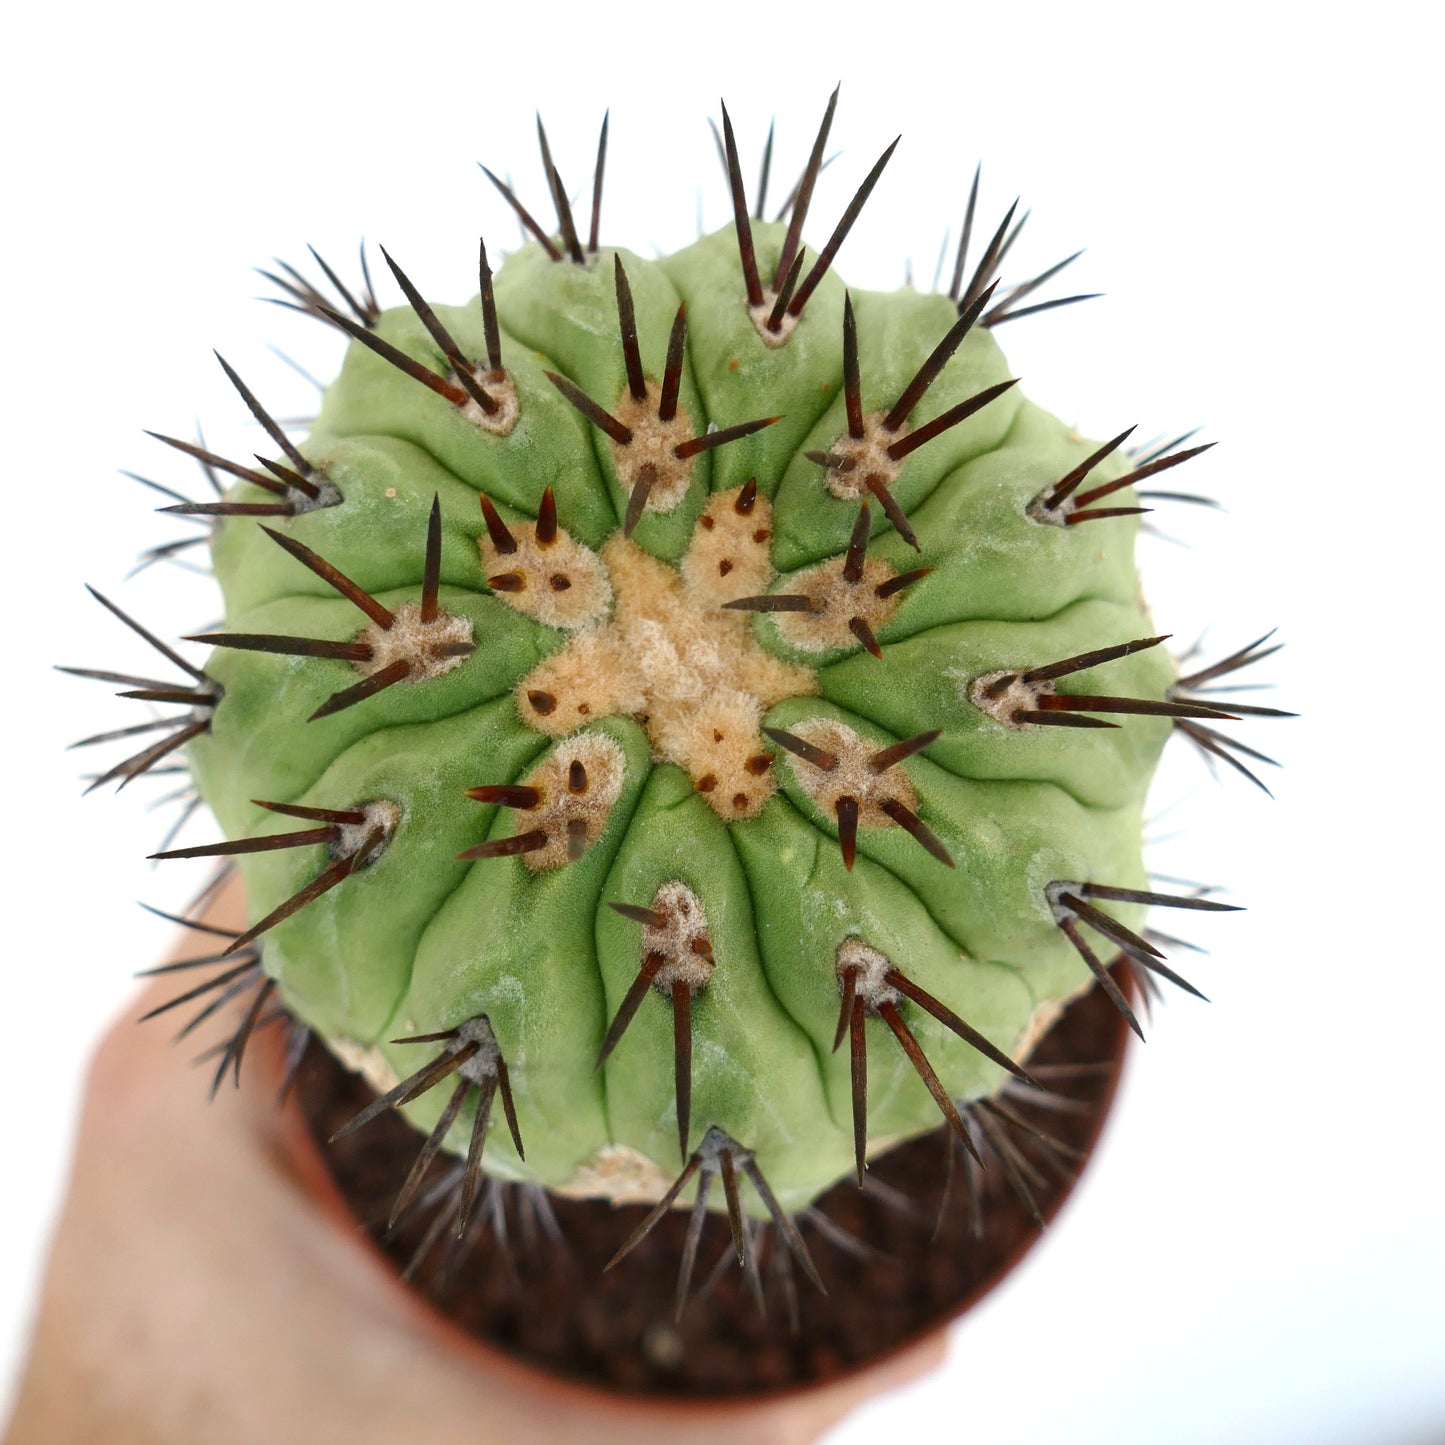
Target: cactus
[(694, 709)]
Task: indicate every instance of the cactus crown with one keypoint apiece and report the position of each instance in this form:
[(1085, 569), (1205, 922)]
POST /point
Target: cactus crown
[(674, 670)]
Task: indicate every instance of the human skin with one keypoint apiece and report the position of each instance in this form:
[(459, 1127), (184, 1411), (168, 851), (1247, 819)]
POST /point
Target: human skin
[(199, 1289)]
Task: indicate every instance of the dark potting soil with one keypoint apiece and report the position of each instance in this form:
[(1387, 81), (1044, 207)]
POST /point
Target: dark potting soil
[(929, 1234)]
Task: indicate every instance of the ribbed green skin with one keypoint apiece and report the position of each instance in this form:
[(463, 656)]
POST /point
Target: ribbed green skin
[(419, 941)]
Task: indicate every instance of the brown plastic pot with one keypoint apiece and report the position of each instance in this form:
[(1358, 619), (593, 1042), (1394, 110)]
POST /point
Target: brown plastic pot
[(926, 1241)]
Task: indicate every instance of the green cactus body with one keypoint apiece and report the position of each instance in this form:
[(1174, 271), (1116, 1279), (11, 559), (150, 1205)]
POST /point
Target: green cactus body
[(618, 654)]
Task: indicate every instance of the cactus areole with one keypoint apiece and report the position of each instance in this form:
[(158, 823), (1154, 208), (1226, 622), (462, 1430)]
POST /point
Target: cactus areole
[(686, 714)]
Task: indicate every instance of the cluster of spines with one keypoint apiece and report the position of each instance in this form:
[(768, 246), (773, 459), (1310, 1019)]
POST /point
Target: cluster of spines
[(786, 297), (238, 970), (354, 839), (1201, 684), (1003, 1131), (566, 225), (868, 769), (864, 602), (356, 836), (871, 986), (199, 697), (419, 655), (782, 302), (646, 476), (470, 1052), (308, 297), (298, 487)]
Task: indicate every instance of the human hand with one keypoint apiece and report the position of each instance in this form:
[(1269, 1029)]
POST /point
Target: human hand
[(198, 1292)]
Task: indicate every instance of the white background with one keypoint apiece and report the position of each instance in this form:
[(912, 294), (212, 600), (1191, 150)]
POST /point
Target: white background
[(1257, 1254)]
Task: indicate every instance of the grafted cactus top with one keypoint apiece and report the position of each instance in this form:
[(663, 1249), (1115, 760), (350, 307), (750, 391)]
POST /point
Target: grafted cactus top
[(720, 636)]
